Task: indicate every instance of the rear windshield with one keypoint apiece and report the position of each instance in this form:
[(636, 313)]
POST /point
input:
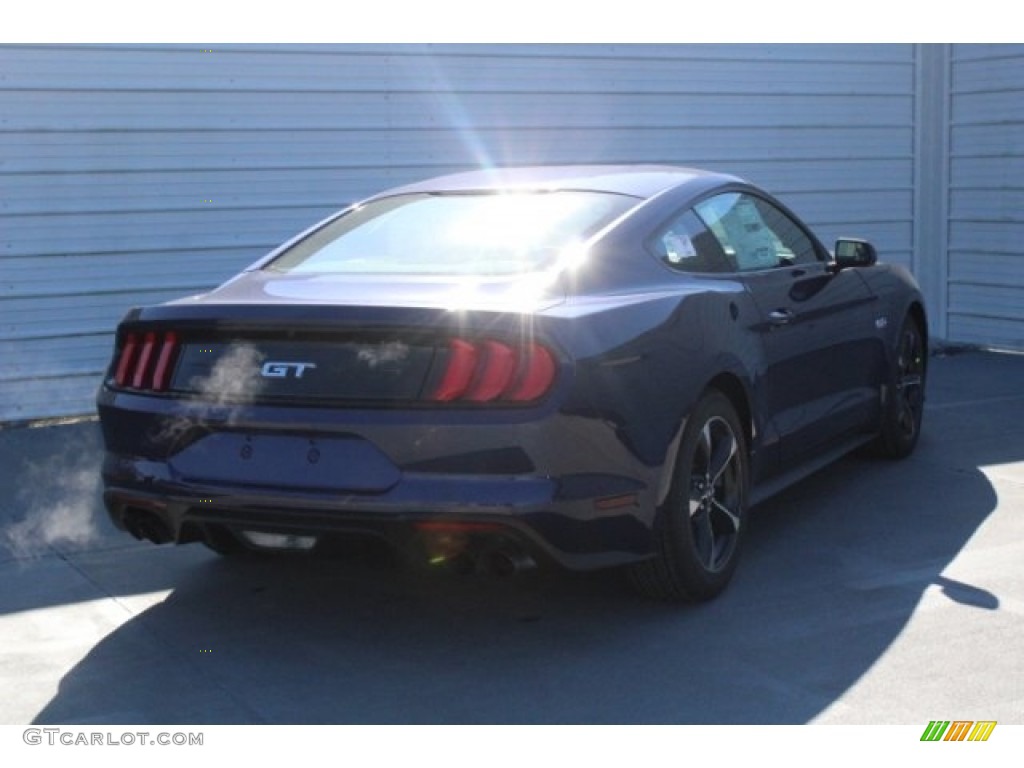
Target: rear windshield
[(455, 234)]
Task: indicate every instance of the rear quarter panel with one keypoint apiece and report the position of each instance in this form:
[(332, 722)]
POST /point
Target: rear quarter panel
[(642, 360)]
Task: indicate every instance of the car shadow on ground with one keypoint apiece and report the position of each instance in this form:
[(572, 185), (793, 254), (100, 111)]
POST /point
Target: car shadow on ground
[(833, 570)]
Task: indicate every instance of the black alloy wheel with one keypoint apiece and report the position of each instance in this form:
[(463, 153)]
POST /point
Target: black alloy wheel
[(701, 525), (904, 411)]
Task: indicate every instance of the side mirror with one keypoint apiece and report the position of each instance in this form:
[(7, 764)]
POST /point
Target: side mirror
[(853, 252)]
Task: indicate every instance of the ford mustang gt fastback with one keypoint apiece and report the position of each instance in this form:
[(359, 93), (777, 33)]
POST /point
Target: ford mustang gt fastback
[(587, 366)]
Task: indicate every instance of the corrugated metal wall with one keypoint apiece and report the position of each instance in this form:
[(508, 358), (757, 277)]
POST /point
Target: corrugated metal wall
[(986, 228), (134, 174)]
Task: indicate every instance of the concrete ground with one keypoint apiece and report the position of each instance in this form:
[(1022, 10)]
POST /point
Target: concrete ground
[(874, 593)]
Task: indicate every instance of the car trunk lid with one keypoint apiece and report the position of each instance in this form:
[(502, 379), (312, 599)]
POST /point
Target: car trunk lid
[(296, 340)]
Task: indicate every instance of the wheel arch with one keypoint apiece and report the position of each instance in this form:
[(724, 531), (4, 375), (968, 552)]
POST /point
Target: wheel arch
[(730, 385), (916, 311), (733, 387), (893, 440), (681, 568)]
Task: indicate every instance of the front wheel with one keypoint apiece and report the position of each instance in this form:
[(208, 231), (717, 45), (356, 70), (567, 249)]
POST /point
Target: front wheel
[(904, 409), (699, 529)]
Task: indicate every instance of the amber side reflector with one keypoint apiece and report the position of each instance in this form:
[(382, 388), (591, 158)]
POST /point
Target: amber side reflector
[(617, 502), (454, 526)]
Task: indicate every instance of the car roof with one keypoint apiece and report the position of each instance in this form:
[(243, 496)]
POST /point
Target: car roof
[(641, 181)]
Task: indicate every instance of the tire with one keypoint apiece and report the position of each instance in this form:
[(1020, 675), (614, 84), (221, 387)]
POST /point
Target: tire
[(699, 529), (904, 409)]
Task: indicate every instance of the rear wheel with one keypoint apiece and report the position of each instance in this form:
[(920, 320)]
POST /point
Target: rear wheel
[(701, 525), (901, 422)]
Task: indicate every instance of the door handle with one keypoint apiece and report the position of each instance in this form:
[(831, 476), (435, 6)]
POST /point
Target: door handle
[(781, 316)]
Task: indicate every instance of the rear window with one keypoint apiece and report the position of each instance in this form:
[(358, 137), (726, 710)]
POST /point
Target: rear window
[(455, 234)]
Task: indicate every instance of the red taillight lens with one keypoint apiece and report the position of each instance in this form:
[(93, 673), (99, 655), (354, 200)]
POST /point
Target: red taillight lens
[(164, 363), (537, 368), (495, 371), (462, 358), (147, 361), (496, 368), (141, 378), (127, 360)]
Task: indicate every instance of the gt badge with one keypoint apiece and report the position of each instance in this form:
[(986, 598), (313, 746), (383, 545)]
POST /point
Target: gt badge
[(279, 370)]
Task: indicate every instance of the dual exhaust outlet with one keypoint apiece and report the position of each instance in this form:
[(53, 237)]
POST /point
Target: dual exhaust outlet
[(502, 560)]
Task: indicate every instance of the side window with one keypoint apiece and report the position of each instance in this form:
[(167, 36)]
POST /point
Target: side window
[(754, 233), (686, 245)]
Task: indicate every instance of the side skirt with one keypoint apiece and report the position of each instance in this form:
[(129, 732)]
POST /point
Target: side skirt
[(779, 483)]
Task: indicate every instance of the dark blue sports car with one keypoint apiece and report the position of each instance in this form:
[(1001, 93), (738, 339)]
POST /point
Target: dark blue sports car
[(586, 366)]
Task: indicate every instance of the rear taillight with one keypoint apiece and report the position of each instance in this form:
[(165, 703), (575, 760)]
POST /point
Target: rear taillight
[(146, 361), (495, 371)]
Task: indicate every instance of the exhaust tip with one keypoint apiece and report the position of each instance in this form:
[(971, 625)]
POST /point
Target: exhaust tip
[(507, 562), (146, 525), (286, 541)]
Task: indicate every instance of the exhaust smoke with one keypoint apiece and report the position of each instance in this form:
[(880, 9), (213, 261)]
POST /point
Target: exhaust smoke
[(232, 383), (58, 498)]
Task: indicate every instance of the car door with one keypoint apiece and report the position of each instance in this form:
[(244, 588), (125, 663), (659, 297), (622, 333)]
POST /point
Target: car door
[(816, 326)]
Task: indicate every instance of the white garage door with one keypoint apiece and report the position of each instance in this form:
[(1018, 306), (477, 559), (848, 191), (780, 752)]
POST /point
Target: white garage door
[(132, 175), (986, 228)]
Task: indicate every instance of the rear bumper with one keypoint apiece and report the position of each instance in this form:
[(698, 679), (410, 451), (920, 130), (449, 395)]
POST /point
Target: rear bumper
[(522, 512), (563, 490)]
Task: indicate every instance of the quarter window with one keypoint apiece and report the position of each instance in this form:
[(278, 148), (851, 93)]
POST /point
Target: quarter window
[(686, 245), (754, 233)]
